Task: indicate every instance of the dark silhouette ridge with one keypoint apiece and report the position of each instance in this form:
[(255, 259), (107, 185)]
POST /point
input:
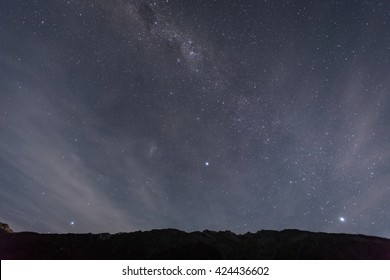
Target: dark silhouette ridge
[(175, 244)]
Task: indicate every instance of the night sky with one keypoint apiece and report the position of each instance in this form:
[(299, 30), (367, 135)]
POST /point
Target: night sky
[(125, 115)]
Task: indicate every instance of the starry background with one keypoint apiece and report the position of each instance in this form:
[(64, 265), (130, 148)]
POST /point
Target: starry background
[(124, 115)]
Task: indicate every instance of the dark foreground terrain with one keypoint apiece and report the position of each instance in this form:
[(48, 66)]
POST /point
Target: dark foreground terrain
[(174, 244)]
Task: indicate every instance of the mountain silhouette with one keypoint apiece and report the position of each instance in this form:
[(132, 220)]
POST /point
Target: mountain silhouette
[(175, 244)]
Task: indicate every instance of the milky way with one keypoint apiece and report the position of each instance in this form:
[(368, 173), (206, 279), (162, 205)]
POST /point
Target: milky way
[(121, 115)]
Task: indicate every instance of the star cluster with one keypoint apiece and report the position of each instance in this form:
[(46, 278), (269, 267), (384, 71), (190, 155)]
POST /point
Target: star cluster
[(223, 115)]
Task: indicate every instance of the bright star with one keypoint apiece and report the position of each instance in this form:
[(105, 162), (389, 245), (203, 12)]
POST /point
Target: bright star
[(342, 219), (207, 163)]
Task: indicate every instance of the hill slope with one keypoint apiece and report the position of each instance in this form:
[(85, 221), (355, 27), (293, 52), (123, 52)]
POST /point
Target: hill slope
[(175, 244)]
